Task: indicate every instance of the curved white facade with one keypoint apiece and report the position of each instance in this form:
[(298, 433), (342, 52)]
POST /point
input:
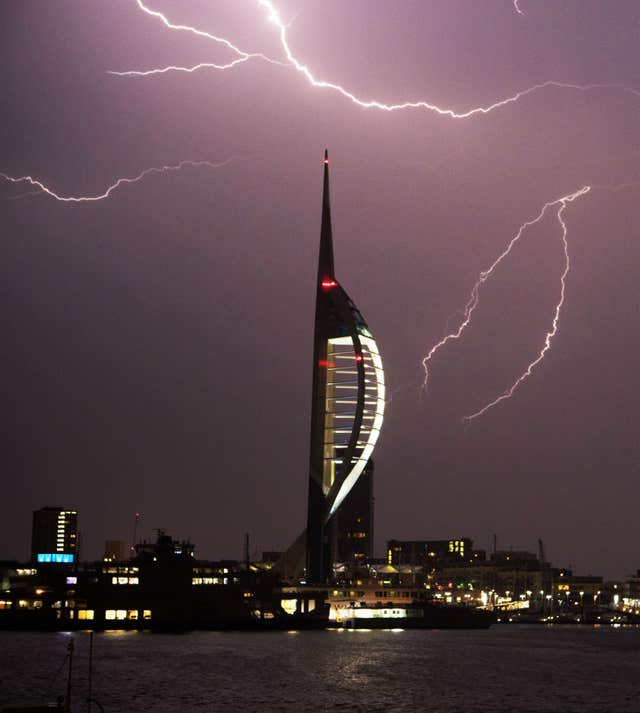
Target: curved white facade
[(349, 416)]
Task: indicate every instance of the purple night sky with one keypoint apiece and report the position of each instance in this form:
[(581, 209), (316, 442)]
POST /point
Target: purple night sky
[(157, 345)]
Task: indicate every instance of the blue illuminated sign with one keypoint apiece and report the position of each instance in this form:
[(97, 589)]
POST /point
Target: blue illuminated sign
[(57, 558)]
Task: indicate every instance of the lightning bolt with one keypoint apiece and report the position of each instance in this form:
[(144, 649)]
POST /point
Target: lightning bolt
[(199, 33), (175, 68), (241, 55), (474, 297), (273, 16), (121, 181), (562, 204)]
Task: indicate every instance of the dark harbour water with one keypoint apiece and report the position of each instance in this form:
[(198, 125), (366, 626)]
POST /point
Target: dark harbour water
[(506, 669)]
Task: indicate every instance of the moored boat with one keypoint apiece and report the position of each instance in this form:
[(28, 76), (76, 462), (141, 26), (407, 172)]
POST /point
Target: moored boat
[(418, 615)]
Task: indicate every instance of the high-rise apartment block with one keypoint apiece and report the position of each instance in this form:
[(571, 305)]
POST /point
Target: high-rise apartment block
[(55, 536)]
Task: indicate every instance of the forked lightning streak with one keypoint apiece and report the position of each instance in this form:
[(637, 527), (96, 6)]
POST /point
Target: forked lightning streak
[(121, 181), (562, 202), (474, 298), (273, 16)]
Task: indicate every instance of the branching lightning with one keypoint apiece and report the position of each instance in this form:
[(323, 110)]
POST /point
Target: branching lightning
[(42, 188), (201, 33), (562, 204), (240, 55), (273, 16), (474, 298)]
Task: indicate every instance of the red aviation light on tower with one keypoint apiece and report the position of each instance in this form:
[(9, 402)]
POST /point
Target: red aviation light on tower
[(326, 363), (328, 284)]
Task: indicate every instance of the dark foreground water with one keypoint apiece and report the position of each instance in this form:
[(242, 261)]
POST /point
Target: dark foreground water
[(506, 669)]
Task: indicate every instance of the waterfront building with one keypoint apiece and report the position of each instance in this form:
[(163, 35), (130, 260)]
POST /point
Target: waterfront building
[(432, 554), (164, 547), (54, 537), (632, 586), (163, 585), (347, 403), (506, 580)]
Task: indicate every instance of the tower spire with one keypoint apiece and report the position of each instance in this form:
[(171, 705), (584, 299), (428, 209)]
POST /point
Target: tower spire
[(325, 262), (348, 382)]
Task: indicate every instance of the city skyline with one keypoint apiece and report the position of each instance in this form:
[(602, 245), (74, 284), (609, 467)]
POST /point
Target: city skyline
[(150, 334)]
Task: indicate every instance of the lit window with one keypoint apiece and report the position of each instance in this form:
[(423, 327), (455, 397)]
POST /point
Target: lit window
[(110, 614), (290, 606), (54, 557), (146, 614)]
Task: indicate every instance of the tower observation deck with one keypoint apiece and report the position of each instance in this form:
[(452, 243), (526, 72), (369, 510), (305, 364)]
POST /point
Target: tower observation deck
[(347, 406)]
